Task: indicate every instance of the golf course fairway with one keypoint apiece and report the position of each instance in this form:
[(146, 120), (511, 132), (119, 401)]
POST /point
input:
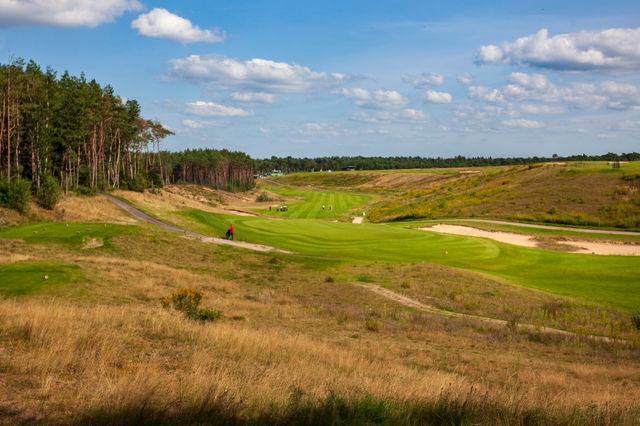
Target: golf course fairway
[(610, 280)]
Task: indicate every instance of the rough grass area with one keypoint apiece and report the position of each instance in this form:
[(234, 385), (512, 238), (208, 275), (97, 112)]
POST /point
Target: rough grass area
[(293, 346), (610, 280), (567, 194), (336, 204)]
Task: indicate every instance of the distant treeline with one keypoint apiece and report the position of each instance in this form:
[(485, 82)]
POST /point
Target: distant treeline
[(290, 164), (221, 169), (83, 135)]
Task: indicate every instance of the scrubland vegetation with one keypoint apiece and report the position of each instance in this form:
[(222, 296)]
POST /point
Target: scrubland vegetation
[(302, 338)]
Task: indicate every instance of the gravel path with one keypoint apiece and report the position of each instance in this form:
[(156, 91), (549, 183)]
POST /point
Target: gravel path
[(412, 303), (205, 238)]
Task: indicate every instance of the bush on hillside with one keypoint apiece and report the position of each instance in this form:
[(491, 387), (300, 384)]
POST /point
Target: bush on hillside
[(49, 192), (263, 197), (187, 300), (635, 320), (15, 194)]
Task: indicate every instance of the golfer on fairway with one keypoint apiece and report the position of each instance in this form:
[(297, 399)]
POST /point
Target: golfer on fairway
[(230, 232)]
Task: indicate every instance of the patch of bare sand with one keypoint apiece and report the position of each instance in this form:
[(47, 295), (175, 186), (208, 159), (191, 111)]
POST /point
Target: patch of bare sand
[(611, 249), (578, 246), (358, 219), (503, 237)]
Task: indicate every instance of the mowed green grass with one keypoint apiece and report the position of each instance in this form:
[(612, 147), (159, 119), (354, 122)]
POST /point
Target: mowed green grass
[(337, 204), (610, 280), (19, 279), (71, 235)]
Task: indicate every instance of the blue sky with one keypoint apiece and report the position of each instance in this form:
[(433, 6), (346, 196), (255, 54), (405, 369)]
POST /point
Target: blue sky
[(473, 78)]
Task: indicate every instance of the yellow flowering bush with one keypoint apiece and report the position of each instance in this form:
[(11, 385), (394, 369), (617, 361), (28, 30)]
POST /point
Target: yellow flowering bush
[(185, 300)]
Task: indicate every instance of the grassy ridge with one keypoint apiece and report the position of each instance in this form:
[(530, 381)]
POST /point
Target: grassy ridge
[(72, 235), (337, 204), (610, 280)]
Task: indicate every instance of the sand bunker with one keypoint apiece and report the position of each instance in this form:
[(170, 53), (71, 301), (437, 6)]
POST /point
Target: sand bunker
[(583, 247), (358, 219)]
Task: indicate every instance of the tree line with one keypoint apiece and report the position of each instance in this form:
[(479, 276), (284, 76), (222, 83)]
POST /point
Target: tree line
[(84, 136), (290, 164)]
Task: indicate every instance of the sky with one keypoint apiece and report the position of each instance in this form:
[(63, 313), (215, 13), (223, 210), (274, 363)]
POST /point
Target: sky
[(310, 79)]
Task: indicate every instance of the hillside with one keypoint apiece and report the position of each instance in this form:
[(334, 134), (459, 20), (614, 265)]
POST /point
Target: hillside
[(591, 194)]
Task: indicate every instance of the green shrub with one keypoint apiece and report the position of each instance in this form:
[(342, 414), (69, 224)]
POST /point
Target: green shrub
[(139, 183), (635, 320), (155, 178), (15, 194), (49, 192), (85, 190), (263, 197), (206, 315), (372, 325)]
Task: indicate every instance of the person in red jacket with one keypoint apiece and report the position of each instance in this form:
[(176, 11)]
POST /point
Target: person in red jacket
[(231, 231)]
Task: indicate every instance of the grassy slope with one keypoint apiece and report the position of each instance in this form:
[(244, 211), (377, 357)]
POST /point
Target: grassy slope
[(591, 194), (341, 203), (603, 279)]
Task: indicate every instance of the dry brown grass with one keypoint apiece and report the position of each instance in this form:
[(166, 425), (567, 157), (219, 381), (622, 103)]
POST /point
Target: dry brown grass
[(287, 329)]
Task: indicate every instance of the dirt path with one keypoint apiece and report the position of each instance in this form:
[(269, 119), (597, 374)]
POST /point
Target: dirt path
[(205, 238), (581, 247), (412, 303)]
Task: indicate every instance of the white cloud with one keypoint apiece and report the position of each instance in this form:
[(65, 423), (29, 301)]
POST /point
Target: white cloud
[(626, 125), (542, 109), (68, 13), (259, 75), (584, 96), (521, 122), (322, 129), (379, 99), (164, 24), (211, 109), (612, 49), (424, 81), (199, 124), (408, 115), (253, 97), (465, 79), (485, 94), (438, 97)]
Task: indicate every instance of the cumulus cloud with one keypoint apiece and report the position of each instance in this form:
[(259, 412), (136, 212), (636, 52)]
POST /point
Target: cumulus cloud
[(68, 13), (437, 97), (383, 99), (485, 94), (253, 97), (198, 124), (408, 115), (163, 24), (255, 75), (319, 129), (615, 49), (424, 81), (585, 96), (627, 125), (542, 109), (521, 122), (211, 109), (465, 79)]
